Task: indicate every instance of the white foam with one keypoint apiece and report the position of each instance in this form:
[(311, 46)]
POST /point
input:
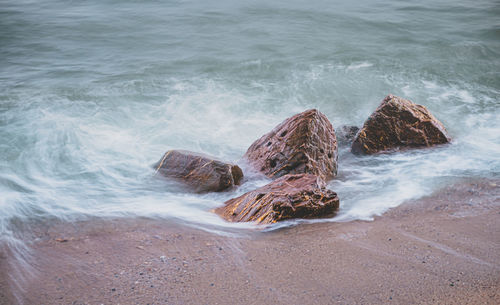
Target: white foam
[(357, 66), (81, 162)]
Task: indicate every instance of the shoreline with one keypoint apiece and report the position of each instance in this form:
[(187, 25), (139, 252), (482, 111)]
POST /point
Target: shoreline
[(441, 249)]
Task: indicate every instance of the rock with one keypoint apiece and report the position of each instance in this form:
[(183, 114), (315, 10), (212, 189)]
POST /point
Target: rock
[(201, 172), (290, 196), (304, 143), (346, 134), (399, 123)]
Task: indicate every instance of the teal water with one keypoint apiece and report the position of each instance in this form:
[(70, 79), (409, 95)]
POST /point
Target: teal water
[(92, 93)]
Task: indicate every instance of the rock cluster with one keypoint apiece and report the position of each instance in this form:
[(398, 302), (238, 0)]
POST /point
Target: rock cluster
[(300, 154)]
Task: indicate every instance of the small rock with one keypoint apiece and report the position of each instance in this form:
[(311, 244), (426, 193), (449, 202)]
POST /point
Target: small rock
[(346, 134)]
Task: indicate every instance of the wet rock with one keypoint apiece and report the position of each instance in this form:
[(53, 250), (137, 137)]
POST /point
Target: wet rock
[(290, 196), (304, 143), (200, 172), (346, 134), (399, 123)]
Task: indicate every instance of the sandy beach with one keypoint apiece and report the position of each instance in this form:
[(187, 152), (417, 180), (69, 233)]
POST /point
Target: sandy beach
[(442, 249)]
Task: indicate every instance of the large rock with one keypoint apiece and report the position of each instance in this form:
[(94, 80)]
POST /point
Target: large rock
[(399, 123), (201, 172), (291, 196), (304, 143)]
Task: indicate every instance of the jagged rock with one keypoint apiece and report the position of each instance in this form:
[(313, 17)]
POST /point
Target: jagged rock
[(304, 143), (200, 172), (399, 123), (346, 134), (290, 196)]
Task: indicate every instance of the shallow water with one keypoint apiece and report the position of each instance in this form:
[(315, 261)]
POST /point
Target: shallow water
[(92, 93)]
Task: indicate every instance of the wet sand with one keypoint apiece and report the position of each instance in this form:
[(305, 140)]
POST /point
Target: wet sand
[(442, 249)]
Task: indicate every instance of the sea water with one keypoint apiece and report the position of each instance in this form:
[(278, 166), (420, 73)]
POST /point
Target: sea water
[(92, 93)]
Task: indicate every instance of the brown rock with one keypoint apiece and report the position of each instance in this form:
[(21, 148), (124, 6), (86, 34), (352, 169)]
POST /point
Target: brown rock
[(291, 196), (304, 143), (201, 172), (399, 123)]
